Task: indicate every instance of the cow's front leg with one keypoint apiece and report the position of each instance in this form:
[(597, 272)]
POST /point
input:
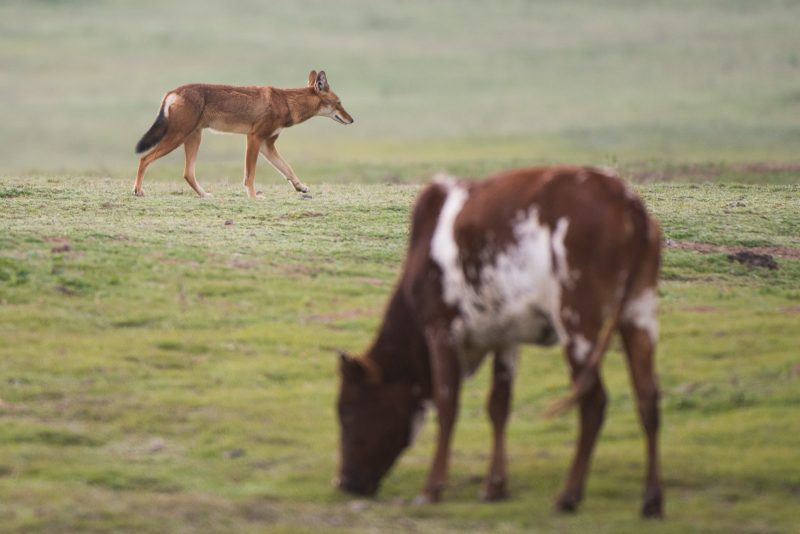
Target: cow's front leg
[(446, 379), (499, 408)]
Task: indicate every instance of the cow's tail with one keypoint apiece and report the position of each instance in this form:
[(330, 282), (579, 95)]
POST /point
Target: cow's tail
[(588, 376), (156, 132)]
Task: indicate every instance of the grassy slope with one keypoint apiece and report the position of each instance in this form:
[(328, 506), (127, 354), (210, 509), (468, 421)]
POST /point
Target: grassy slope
[(426, 81), (173, 371)]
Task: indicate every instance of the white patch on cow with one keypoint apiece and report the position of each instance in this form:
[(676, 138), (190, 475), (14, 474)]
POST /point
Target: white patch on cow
[(444, 250), (518, 297), (571, 316), (168, 101), (418, 421), (609, 172), (580, 348), (642, 312), (561, 251)]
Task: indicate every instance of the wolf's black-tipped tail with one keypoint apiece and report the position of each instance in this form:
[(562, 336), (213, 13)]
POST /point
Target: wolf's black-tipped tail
[(156, 132)]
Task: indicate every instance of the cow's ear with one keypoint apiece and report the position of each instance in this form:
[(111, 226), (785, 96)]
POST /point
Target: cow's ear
[(349, 367), (312, 78), (359, 370)]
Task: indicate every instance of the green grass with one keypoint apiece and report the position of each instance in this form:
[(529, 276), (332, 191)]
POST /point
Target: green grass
[(171, 368)]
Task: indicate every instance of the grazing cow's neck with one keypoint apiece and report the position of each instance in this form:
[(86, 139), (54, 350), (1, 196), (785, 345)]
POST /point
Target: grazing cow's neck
[(399, 348)]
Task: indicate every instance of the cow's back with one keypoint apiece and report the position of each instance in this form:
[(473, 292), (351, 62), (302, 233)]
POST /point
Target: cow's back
[(494, 259)]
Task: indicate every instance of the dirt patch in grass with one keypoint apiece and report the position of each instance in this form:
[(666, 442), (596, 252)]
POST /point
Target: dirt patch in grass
[(707, 248), (751, 259)]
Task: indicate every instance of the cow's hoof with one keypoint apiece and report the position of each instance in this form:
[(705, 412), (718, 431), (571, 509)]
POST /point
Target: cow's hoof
[(421, 500), (301, 188), (494, 491), (427, 497), (567, 504), (653, 507), (139, 193)]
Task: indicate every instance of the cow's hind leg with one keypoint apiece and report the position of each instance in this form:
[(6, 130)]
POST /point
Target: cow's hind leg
[(592, 414), (498, 408), (640, 347)]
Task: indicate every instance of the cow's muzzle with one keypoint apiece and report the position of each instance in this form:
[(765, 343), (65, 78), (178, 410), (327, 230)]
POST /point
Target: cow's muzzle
[(363, 487)]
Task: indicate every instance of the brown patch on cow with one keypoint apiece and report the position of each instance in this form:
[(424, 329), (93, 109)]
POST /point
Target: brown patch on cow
[(708, 248), (751, 259)]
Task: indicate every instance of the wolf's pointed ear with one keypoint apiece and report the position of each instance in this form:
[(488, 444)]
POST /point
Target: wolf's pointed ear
[(312, 78), (321, 82)]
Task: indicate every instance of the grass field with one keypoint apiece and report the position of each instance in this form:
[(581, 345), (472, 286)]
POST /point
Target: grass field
[(167, 364)]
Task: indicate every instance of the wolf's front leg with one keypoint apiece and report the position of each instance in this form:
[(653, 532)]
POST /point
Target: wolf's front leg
[(274, 157)]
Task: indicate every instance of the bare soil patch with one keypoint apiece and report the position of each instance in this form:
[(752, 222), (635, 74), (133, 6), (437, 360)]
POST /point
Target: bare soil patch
[(707, 248), (751, 259)]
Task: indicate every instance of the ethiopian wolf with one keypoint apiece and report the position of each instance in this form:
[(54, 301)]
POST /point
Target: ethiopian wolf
[(260, 113)]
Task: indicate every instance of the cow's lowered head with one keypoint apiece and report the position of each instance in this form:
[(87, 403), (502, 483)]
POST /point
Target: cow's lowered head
[(378, 418)]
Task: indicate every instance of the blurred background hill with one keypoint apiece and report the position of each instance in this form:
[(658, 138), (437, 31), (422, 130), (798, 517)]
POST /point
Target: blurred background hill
[(435, 81)]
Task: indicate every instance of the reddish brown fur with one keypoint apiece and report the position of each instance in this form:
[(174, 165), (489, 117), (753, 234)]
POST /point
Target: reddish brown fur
[(612, 242), (258, 112)]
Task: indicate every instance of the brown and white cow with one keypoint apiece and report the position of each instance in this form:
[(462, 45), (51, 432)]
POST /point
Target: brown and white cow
[(541, 255)]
